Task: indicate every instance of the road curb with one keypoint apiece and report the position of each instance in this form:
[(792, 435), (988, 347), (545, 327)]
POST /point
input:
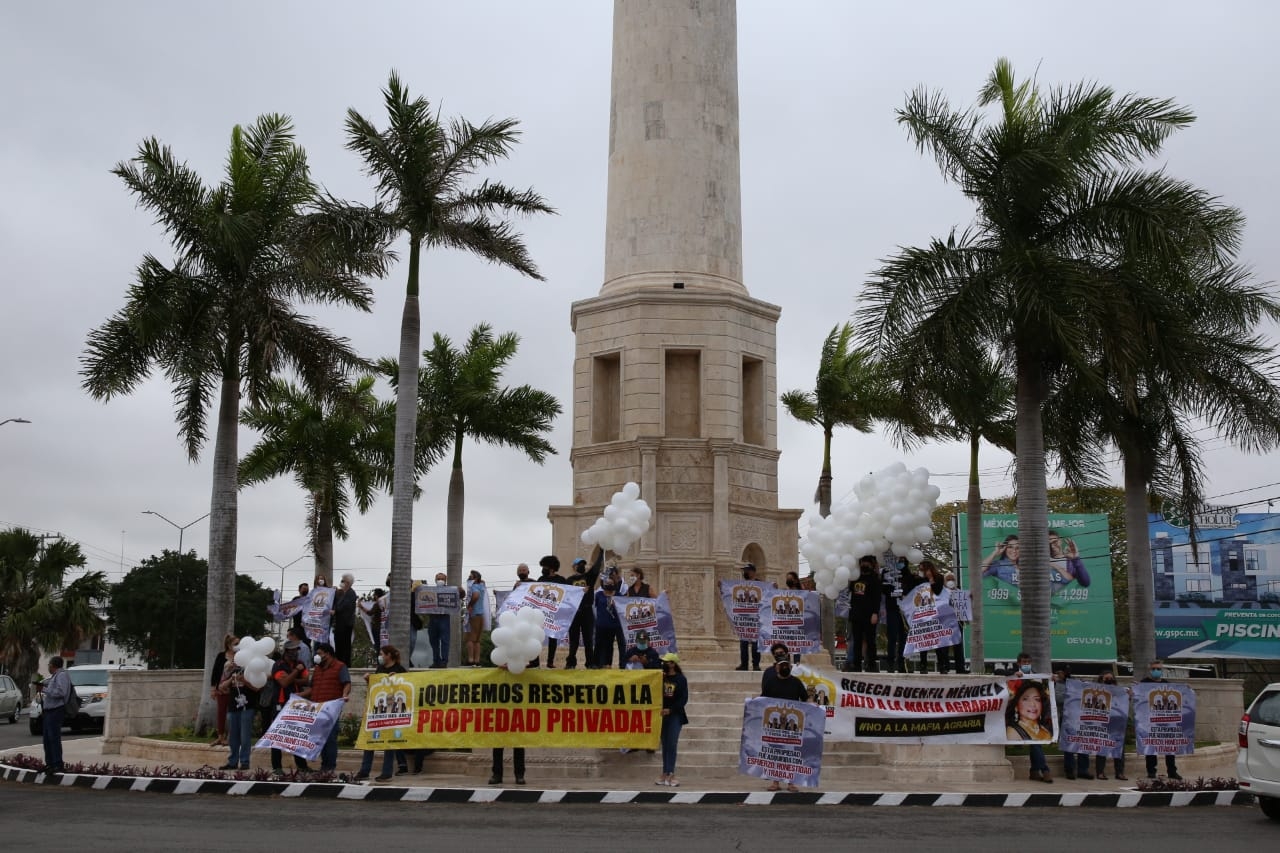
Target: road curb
[(391, 793)]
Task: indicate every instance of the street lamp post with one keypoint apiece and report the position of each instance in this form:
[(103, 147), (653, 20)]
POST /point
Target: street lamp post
[(177, 584), (281, 568)]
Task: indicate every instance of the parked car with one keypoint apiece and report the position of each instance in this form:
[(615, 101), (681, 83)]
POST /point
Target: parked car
[(1258, 758), (10, 699), (90, 682)]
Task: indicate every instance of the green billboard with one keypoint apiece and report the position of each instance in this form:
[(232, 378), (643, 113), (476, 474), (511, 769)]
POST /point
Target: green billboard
[(1082, 606)]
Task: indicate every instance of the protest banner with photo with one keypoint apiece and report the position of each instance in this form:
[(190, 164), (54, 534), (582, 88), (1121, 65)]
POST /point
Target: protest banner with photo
[(782, 740), (931, 620), (302, 727), (1220, 599), (1082, 624), (437, 601), (490, 707), (316, 614), (648, 614), (557, 602), (823, 692), (894, 709), (1164, 718), (792, 617), (1094, 718), (741, 602), (285, 611)]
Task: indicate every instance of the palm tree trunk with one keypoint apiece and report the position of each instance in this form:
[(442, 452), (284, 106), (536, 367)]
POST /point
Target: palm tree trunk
[(973, 556), (1142, 627), (453, 532), (824, 509), (322, 544), (1033, 515), (402, 486), (223, 523)]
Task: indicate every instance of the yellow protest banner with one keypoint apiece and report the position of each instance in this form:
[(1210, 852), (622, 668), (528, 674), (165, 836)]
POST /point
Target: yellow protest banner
[(488, 707)]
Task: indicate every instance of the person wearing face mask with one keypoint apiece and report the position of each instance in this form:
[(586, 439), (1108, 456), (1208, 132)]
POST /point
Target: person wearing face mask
[(865, 594), (329, 680), (343, 614), (1100, 763), (388, 662), (778, 651), (582, 630), (957, 651), (675, 696), (550, 567), (477, 616), (1039, 766), (289, 677), (636, 586), (609, 631), (641, 655), (784, 686), (1074, 764), (1156, 676), (438, 631), (748, 647)]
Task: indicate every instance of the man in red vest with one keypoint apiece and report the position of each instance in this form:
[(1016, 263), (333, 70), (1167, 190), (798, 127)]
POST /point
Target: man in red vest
[(329, 680)]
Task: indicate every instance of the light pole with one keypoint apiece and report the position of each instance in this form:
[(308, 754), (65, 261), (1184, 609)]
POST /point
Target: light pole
[(281, 568), (14, 421), (177, 584)]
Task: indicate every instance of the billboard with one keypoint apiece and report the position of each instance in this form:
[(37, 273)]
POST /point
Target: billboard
[(1082, 606), (1223, 599)]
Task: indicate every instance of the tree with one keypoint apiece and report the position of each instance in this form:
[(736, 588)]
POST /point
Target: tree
[(39, 609), (461, 398), (337, 447), (422, 167), (1208, 365), (851, 390), (220, 320), (158, 610), (1056, 187)]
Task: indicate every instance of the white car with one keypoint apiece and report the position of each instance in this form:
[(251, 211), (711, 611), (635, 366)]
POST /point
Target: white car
[(1258, 759), (10, 699), (90, 682)]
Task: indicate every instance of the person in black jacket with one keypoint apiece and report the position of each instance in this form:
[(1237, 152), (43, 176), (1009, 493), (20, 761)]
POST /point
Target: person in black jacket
[(344, 618), (864, 615), (582, 629), (550, 565), (675, 696), (894, 581), (784, 686)]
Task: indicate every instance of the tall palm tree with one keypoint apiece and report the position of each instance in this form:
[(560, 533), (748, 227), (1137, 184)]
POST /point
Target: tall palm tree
[(1055, 183), (461, 397), (337, 447), (850, 391), (220, 320), (1207, 366), (422, 168), (38, 608)]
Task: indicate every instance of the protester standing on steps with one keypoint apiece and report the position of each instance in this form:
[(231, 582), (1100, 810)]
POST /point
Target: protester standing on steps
[(344, 617), (609, 631), (1155, 675), (748, 647), (477, 613), (583, 627), (784, 686), (675, 696), (778, 651), (56, 691), (550, 566), (864, 615)]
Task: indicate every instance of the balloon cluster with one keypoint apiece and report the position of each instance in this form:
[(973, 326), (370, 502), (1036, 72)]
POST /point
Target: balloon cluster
[(517, 639), (251, 656), (891, 512), (625, 520)]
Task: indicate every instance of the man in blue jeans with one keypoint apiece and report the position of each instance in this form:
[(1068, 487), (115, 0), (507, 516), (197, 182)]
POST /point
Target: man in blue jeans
[(438, 632), (53, 710)]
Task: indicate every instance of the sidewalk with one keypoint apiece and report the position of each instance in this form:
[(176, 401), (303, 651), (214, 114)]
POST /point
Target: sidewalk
[(636, 772)]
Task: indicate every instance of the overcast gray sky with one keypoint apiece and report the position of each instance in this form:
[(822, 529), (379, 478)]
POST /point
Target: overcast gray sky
[(830, 184)]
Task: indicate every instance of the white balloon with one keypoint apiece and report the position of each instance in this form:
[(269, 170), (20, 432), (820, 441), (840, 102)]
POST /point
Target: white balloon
[(501, 635), (915, 555), (842, 575), (256, 679), (612, 512), (498, 656), (631, 490), (619, 499), (854, 573), (588, 537), (244, 657), (266, 646), (516, 667)]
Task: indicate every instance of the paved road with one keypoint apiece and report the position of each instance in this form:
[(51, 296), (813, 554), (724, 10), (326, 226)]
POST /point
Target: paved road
[(15, 735), (124, 821)]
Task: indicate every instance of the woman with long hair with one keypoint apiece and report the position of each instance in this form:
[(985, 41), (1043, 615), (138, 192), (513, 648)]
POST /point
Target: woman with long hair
[(477, 609), (220, 696), (675, 695)]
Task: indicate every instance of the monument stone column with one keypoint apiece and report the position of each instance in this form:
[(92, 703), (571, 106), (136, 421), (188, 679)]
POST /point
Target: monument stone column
[(675, 365)]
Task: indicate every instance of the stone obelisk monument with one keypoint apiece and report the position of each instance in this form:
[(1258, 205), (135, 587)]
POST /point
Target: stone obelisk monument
[(675, 370)]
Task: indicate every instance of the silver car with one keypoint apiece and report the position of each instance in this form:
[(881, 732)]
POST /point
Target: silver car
[(90, 681), (10, 699), (1258, 758)]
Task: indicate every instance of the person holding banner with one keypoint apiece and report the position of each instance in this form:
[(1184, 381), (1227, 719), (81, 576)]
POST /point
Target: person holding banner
[(675, 696), (477, 611), (344, 618), (288, 677), (438, 631), (1156, 676), (1100, 765), (388, 662), (608, 626), (303, 592), (784, 686), (1026, 718), (641, 655), (550, 566), (330, 680), (748, 647), (583, 627), (636, 587)]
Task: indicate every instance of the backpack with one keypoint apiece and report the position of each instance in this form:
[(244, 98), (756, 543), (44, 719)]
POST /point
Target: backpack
[(72, 706)]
